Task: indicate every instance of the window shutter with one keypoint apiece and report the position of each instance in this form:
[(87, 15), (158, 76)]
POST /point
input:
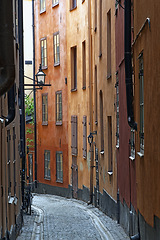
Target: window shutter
[(84, 136), (76, 145), (74, 149), (72, 127)]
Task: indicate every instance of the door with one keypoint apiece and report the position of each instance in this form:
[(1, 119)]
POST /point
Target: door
[(74, 176)]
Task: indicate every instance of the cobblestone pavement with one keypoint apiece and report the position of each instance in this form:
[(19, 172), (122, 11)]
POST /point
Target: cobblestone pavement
[(68, 219)]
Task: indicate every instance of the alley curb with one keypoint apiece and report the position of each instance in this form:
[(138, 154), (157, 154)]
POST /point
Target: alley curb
[(38, 232)]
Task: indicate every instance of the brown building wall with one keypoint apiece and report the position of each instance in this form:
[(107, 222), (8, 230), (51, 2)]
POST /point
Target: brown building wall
[(51, 137), (10, 192), (10, 200), (126, 167), (148, 166)]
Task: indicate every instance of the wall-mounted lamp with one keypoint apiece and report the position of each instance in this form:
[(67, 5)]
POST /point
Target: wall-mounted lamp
[(40, 79)]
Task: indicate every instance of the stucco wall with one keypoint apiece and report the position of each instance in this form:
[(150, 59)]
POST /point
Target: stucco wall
[(51, 137), (148, 166)]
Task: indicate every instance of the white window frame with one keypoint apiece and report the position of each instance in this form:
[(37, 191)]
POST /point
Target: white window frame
[(56, 44), (47, 170), (55, 3), (59, 166), (42, 6), (132, 142), (117, 110)]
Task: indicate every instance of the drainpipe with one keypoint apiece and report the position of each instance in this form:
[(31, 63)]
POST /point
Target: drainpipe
[(34, 95), (90, 102), (21, 85), (128, 65), (7, 67)]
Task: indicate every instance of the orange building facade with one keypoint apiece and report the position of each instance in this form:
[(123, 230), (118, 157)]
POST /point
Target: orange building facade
[(52, 102), (147, 93)]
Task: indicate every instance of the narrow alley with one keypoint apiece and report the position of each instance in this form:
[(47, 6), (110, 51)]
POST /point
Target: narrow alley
[(55, 217)]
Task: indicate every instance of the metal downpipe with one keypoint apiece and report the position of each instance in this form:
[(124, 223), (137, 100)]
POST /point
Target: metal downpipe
[(128, 65), (7, 67)]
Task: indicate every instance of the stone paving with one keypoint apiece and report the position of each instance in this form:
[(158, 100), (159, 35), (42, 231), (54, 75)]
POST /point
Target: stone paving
[(27, 229), (68, 219)]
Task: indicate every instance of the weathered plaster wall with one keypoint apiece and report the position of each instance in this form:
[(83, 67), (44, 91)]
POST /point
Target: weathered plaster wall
[(148, 166), (52, 137), (107, 86)]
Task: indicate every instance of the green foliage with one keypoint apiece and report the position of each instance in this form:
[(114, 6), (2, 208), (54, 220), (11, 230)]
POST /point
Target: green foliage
[(29, 107), (29, 130), (29, 111)]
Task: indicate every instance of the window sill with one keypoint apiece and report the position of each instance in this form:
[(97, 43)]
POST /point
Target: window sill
[(73, 8), (15, 200), (96, 122), (10, 200), (43, 11), (110, 173), (102, 152), (58, 123), (44, 67), (57, 64), (131, 158), (59, 181), (100, 55), (109, 77), (117, 146), (54, 5), (48, 179), (140, 154), (74, 90), (44, 123)]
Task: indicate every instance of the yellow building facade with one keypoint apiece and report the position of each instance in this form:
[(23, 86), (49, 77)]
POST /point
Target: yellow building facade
[(91, 98)]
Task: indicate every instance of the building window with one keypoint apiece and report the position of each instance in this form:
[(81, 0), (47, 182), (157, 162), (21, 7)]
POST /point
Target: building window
[(59, 108), (55, 2), (101, 122), (42, 6), (96, 111), (141, 97), (110, 163), (95, 27), (16, 21), (45, 109), (116, 6), (84, 136), (117, 110), (14, 159), (109, 44), (56, 49), (84, 64), (132, 142), (74, 145), (9, 161), (44, 53), (30, 164), (59, 167), (100, 29), (47, 174), (73, 68), (73, 4)]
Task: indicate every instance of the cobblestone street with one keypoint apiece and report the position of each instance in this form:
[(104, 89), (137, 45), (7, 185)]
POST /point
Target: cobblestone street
[(55, 217)]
